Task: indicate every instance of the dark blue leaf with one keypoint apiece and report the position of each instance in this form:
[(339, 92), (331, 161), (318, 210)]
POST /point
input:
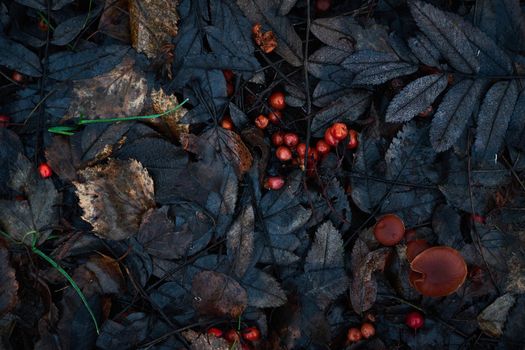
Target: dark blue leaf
[(493, 120), (454, 112), (415, 98), (16, 57)]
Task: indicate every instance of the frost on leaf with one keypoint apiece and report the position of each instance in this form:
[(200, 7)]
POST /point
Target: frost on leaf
[(324, 268), (114, 197)]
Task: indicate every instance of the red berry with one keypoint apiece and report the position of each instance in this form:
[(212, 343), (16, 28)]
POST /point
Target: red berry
[(415, 320), (323, 5), (18, 77), (230, 89), (301, 150), (45, 170), (291, 140), (367, 330), (322, 147), (275, 117), (42, 25), (283, 153), (353, 141), (426, 112), (354, 335), (215, 332), (228, 74), (4, 121), (251, 334), (227, 123), (329, 139), (274, 183), (278, 138), (277, 101), (261, 121), (339, 131)]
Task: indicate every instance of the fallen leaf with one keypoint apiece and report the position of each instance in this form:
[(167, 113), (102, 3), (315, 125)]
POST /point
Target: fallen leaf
[(114, 197), (159, 237), (161, 102), (153, 23), (240, 241), (120, 92), (114, 21), (493, 318), (200, 341), (363, 290), (217, 294)]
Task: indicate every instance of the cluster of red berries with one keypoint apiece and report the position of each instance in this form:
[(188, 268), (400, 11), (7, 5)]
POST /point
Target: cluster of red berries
[(243, 339), (288, 143)]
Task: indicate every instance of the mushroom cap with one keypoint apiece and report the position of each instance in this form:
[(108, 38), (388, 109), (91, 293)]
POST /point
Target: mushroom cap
[(415, 247), (438, 271), (389, 230)]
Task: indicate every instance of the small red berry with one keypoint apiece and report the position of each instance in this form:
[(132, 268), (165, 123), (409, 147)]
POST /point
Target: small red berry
[(354, 335), (261, 121), (45, 170), (232, 336), (278, 138), (283, 153), (339, 131), (426, 112), (18, 77), (215, 332), (275, 117), (227, 123), (4, 121), (274, 183), (42, 25), (329, 139), (368, 330), (228, 74), (301, 150), (415, 320), (277, 100), (251, 334), (353, 141), (322, 147), (290, 139), (230, 89)]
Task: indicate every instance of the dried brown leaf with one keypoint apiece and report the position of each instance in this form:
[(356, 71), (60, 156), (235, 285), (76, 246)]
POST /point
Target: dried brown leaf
[(200, 341), (114, 197), (118, 93), (217, 294), (161, 103), (153, 23), (363, 290)]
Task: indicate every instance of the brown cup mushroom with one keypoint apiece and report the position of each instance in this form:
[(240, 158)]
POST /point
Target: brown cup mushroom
[(438, 271), (415, 247), (389, 230)]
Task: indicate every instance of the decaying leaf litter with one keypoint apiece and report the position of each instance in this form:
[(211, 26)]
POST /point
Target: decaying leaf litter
[(254, 215)]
